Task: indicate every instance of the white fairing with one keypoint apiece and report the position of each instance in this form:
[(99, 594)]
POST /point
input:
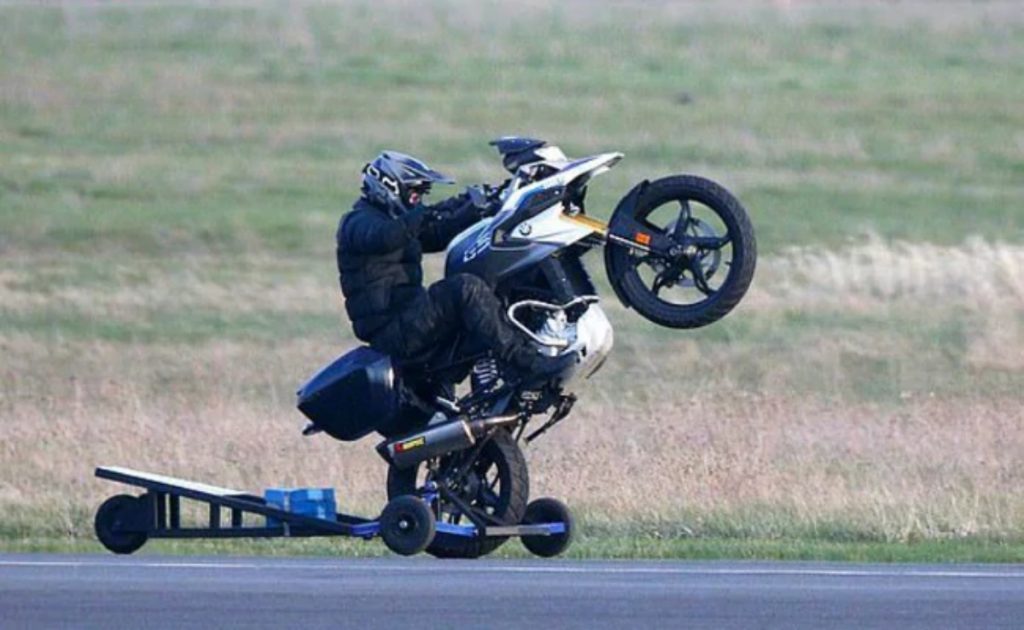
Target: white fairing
[(551, 226), (594, 339), (592, 165), (590, 337)]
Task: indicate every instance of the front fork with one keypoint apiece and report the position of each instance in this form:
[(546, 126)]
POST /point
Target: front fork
[(624, 230)]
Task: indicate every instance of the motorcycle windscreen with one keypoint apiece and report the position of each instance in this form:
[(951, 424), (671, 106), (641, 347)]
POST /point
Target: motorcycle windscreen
[(352, 396)]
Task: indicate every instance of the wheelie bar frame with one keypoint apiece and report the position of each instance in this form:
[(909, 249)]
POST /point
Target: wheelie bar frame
[(160, 516)]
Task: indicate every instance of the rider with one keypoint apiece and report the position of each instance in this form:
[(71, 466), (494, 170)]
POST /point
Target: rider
[(380, 251)]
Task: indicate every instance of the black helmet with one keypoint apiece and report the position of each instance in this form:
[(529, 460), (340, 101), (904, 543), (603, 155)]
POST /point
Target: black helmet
[(396, 181)]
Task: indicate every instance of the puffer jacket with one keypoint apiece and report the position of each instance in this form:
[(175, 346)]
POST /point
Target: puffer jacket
[(380, 257)]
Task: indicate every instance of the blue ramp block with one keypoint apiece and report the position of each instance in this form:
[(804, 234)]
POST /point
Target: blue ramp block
[(314, 502)]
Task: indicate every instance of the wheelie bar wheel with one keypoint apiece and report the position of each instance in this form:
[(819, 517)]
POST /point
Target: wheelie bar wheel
[(407, 525), (548, 511), (113, 518)]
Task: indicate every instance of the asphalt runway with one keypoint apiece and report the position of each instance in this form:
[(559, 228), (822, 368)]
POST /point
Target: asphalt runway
[(39, 591)]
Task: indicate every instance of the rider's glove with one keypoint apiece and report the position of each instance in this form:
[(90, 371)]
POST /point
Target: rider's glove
[(484, 198), (478, 195)]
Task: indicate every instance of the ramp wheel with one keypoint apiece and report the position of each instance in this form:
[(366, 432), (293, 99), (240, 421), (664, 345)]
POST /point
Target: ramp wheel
[(407, 525), (115, 515), (548, 511)]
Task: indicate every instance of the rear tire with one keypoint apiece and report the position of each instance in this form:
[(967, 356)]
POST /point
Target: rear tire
[(512, 496), (113, 516), (632, 289)]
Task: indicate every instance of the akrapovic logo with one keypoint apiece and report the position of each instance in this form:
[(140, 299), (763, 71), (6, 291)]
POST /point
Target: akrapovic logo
[(408, 445)]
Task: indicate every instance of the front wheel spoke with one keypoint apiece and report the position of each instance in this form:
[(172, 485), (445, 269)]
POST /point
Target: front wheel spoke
[(699, 279), (660, 282), (646, 259), (710, 242), (666, 278), (682, 220)]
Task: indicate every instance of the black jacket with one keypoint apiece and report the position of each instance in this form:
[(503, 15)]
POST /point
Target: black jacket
[(380, 258)]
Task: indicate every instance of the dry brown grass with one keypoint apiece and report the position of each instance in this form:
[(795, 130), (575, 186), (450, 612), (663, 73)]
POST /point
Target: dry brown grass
[(724, 460), (977, 275), (750, 464)]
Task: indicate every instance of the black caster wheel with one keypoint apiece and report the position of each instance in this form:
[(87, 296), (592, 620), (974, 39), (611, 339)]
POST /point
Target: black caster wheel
[(113, 522), (407, 525), (548, 511)]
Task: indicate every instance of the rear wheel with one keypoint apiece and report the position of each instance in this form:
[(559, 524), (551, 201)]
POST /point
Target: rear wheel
[(716, 256), (496, 486)]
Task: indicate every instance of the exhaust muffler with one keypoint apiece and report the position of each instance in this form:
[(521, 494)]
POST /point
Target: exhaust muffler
[(454, 435)]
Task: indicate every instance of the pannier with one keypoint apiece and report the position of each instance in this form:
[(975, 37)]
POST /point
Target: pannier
[(353, 396)]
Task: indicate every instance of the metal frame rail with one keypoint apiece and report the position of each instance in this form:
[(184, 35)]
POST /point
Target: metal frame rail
[(162, 516), (162, 519)]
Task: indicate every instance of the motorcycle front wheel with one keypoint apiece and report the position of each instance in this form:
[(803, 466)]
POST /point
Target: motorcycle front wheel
[(715, 259)]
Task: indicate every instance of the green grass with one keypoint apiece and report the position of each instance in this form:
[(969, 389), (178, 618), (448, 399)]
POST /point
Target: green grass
[(943, 551), (162, 129), (166, 326)]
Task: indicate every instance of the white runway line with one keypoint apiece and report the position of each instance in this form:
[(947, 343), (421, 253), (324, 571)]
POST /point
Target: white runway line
[(597, 570)]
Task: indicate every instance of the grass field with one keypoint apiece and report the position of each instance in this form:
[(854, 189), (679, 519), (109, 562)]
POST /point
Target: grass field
[(171, 176)]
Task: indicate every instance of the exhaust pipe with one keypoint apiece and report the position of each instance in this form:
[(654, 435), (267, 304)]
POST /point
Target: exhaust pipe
[(442, 439)]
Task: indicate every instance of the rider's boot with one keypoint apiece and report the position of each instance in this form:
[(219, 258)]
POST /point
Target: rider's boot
[(537, 369)]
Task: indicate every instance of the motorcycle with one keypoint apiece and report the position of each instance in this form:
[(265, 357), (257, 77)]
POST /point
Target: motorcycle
[(680, 251)]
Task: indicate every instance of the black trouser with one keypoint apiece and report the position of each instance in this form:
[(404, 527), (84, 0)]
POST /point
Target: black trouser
[(461, 303)]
